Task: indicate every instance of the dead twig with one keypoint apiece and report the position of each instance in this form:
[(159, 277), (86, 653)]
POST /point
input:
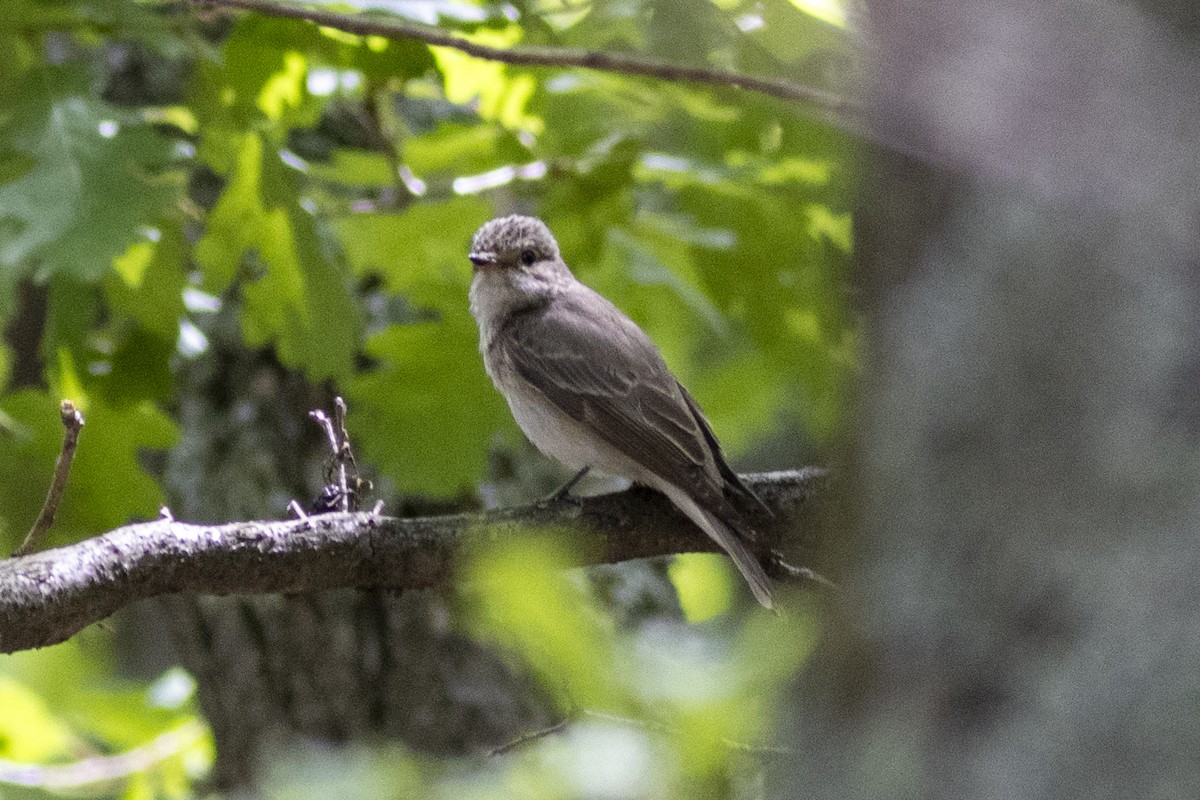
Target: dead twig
[(72, 420), (344, 485), (526, 738), (792, 572), (615, 719)]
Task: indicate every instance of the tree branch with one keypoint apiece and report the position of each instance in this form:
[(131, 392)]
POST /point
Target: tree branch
[(625, 63), (47, 597)]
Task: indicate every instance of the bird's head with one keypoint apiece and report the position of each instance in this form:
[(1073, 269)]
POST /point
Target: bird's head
[(514, 243), (516, 261)]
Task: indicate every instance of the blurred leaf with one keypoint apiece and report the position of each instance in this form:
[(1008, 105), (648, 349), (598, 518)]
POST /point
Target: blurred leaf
[(704, 585), (500, 93), (72, 311), (463, 150), (426, 413), (421, 252), (293, 297), (384, 773), (91, 179), (139, 369), (122, 717), (147, 283), (29, 732), (743, 395), (526, 604), (684, 31), (830, 11), (354, 168), (792, 36)]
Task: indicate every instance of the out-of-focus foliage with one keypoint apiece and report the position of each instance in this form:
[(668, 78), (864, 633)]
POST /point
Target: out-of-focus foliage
[(665, 710), (163, 165), (63, 712)]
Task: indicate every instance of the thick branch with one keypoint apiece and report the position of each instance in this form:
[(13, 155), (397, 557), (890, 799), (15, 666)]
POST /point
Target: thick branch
[(47, 597), (395, 28)]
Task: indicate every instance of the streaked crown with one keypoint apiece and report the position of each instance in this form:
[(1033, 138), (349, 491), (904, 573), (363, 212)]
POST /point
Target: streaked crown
[(507, 238)]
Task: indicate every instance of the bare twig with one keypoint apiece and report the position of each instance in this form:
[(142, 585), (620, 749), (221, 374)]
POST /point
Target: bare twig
[(322, 419), (342, 491), (342, 453), (46, 597), (72, 420), (662, 727), (616, 719), (95, 772), (530, 736), (625, 63), (801, 573)]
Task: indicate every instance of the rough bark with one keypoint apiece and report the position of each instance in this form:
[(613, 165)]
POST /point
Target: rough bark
[(46, 597)]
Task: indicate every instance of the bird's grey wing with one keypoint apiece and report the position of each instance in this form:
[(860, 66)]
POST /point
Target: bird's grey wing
[(732, 480), (598, 367)]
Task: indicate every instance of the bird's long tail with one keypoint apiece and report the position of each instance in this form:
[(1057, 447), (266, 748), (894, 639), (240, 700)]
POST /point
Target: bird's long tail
[(724, 535)]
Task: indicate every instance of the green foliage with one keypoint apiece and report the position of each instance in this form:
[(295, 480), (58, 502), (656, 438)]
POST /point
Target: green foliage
[(292, 297), (82, 178), (164, 169), (64, 704), (423, 413)]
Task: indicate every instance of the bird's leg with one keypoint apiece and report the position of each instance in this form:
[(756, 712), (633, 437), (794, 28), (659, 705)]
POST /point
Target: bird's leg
[(564, 491)]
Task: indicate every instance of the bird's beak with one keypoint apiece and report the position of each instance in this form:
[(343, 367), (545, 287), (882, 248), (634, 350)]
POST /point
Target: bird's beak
[(482, 259)]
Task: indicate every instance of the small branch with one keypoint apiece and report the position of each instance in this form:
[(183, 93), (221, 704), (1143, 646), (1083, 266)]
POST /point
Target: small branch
[(530, 736), (615, 719), (72, 421), (661, 727), (342, 452), (93, 773), (342, 491), (781, 567), (46, 597), (394, 28)]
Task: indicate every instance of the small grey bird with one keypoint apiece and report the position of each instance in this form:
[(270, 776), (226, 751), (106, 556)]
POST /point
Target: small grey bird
[(589, 388)]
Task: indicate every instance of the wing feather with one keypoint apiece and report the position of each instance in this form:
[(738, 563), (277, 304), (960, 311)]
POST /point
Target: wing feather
[(733, 481), (599, 367)]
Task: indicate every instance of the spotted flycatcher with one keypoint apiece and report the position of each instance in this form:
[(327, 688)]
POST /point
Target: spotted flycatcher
[(589, 388)]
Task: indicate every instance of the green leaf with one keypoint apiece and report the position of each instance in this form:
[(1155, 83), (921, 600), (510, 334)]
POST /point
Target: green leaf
[(354, 168), (147, 283), (704, 584), (29, 732), (463, 150), (72, 310), (497, 92), (427, 413), (793, 35), (421, 252), (525, 602), (139, 368), (83, 195), (293, 297)]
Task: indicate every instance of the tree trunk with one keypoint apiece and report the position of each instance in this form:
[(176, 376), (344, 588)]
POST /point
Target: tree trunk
[(1022, 612)]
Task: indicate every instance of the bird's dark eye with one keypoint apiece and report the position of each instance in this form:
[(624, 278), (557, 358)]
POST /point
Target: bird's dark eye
[(528, 257)]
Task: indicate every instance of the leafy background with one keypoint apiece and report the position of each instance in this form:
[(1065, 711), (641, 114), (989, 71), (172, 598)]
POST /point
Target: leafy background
[(211, 222)]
